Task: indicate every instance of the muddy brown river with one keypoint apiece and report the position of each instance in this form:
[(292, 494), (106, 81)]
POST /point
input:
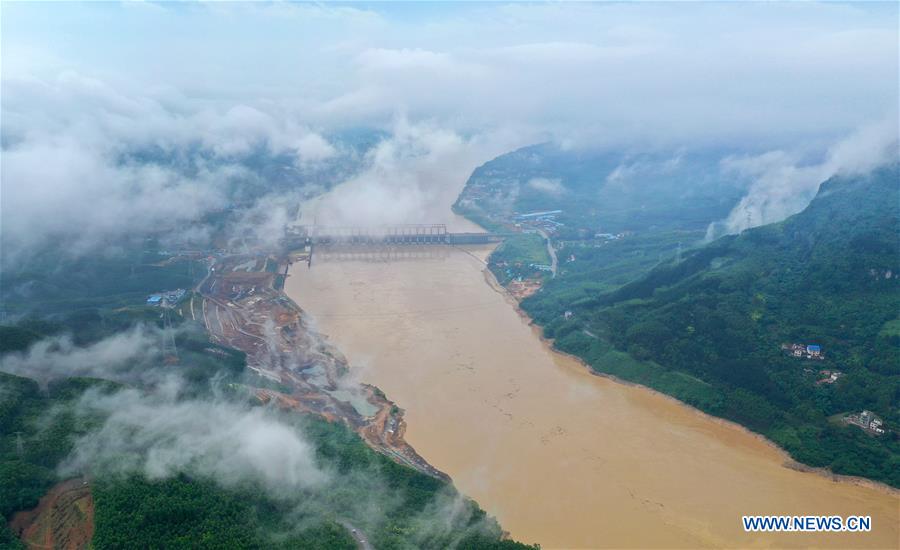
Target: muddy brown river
[(561, 457)]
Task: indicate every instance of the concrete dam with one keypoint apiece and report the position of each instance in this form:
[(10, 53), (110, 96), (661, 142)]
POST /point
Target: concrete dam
[(406, 234)]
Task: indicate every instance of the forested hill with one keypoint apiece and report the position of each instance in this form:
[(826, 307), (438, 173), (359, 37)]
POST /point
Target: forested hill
[(607, 190), (849, 229), (90, 316), (709, 328)]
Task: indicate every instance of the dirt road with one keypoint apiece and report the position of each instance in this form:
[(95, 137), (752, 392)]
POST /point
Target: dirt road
[(242, 309)]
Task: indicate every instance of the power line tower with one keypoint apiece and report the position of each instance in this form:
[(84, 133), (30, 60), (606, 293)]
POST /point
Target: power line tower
[(678, 254)]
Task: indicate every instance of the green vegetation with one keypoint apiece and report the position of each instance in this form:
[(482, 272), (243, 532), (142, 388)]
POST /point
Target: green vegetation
[(603, 266), (37, 429), (17, 338), (516, 255), (646, 208), (97, 305), (891, 330), (90, 300), (608, 191), (52, 283), (708, 329), (413, 492), (705, 323), (8, 540), (191, 513)]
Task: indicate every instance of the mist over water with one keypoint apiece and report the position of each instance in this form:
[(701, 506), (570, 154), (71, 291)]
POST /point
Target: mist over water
[(273, 114)]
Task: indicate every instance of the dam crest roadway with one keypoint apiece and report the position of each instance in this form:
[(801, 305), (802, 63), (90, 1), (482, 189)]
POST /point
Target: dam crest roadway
[(400, 234)]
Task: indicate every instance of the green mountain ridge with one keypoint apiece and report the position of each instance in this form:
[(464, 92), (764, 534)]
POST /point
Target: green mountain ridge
[(39, 427), (708, 327)]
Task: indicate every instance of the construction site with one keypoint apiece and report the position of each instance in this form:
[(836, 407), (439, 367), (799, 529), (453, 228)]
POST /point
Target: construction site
[(243, 307)]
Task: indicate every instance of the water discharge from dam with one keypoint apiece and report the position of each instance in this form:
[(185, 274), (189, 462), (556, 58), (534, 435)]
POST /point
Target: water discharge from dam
[(559, 456)]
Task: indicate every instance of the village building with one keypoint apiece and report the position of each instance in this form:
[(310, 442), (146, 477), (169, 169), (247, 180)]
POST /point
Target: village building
[(166, 299), (868, 421), (801, 351), (829, 376)]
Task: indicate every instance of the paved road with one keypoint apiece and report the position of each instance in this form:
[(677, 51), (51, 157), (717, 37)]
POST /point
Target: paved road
[(552, 251)]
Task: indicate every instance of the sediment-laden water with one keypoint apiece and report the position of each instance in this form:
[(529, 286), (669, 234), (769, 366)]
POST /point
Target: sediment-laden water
[(559, 456)]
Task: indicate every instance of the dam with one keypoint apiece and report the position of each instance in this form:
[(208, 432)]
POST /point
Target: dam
[(560, 456), (400, 234)]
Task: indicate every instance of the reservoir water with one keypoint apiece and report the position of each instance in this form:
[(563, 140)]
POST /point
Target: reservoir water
[(558, 455)]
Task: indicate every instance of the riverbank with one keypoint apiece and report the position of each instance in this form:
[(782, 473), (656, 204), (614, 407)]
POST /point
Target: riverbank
[(789, 461), (243, 308), (559, 455)]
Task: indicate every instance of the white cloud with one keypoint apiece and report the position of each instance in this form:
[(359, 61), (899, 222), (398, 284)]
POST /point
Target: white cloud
[(69, 176), (409, 177), (283, 78), (313, 148), (117, 357), (66, 192), (613, 71), (552, 187), (160, 436), (783, 185)]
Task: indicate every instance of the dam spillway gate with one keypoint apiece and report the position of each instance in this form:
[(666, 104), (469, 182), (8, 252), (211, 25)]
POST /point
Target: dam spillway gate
[(389, 235)]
